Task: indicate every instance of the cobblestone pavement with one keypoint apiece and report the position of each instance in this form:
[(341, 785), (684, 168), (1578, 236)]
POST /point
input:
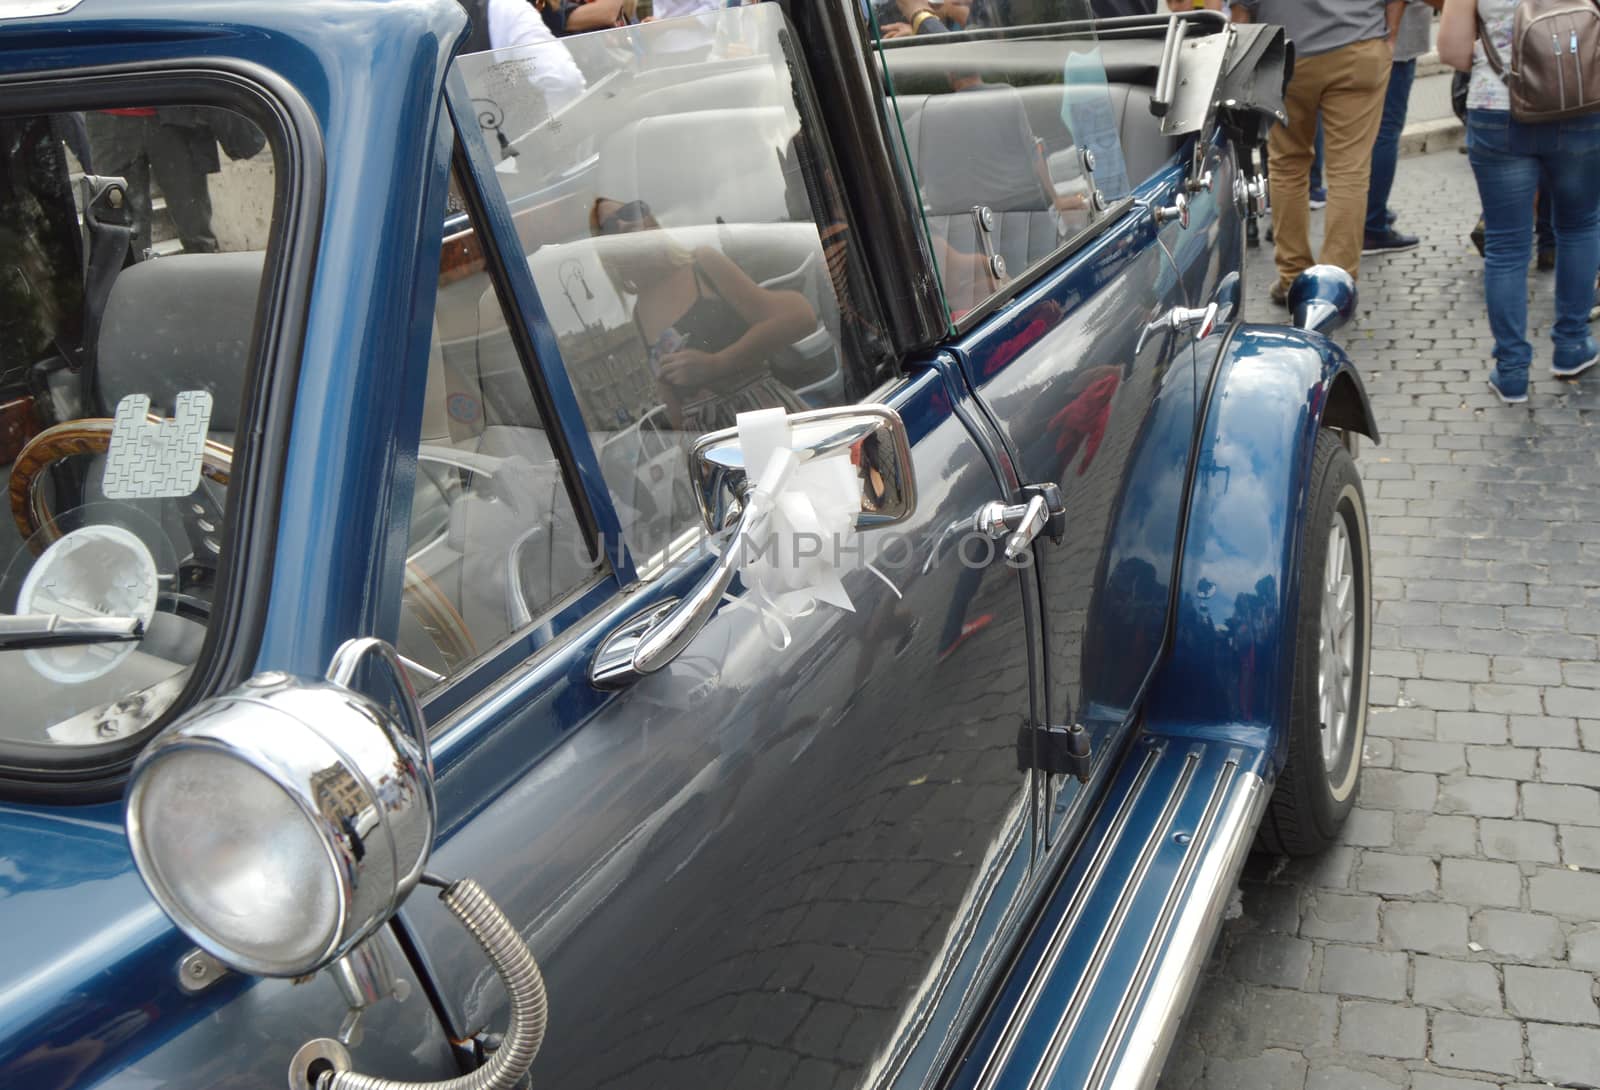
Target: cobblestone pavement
[(1450, 942)]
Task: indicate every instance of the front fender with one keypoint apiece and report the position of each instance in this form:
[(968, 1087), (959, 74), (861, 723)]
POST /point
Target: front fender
[(1231, 658)]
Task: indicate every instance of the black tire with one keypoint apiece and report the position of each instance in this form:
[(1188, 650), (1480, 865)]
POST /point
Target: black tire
[(1312, 801)]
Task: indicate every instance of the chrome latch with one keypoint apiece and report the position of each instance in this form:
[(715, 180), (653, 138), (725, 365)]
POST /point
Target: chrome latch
[(1203, 320), (1020, 523)]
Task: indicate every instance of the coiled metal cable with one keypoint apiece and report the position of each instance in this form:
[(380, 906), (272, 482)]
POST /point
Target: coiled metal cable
[(524, 988)]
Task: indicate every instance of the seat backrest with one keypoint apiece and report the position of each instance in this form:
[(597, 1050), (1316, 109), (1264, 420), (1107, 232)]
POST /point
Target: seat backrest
[(179, 323), (662, 161)]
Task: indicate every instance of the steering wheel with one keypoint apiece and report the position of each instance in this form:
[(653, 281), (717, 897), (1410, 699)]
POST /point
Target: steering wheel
[(31, 512)]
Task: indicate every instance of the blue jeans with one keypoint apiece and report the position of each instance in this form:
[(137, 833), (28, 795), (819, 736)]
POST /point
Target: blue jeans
[(1507, 159), (1386, 149)]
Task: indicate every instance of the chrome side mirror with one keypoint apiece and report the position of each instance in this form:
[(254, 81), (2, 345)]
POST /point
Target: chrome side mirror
[(281, 824), (1322, 299), (874, 435), (879, 449)]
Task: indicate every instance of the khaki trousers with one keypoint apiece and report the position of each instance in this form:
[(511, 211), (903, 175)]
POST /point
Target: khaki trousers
[(1347, 87)]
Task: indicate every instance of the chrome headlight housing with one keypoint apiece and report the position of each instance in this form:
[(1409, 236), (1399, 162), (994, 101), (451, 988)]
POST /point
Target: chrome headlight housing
[(282, 823)]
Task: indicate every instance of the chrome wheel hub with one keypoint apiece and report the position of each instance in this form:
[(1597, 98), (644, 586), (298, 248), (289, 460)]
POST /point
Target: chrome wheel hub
[(1336, 660)]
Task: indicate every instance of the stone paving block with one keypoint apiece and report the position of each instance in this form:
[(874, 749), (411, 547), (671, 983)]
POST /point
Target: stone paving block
[(1387, 790), (1560, 803), (1383, 1029), (1578, 703), (1441, 696), (1582, 675), (1583, 942), (1515, 670), (1280, 961), (1479, 882), (1565, 1055), (1450, 666), (1580, 846), (1343, 916), (1505, 762), (1551, 995), (1404, 723), (1411, 755), (1467, 986), (1520, 936), (1519, 841), (1435, 834), (1330, 1075), (1569, 766), (1471, 1043), (1479, 796), (1359, 971), (1401, 664), (1512, 699), (1479, 727), (1425, 927), (1396, 875), (1272, 907), (1574, 894), (1428, 1080), (1377, 752), (1273, 1069), (1369, 828), (1531, 731)]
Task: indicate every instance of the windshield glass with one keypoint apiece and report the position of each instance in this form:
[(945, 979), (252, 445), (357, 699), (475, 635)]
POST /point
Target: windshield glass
[(131, 254), (1011, 128), (688, 239)]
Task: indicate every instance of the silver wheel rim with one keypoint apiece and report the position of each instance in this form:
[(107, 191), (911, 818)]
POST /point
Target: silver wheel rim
[(1336, 659)]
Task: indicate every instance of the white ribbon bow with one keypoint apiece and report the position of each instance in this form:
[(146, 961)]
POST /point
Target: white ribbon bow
[(792, 562)]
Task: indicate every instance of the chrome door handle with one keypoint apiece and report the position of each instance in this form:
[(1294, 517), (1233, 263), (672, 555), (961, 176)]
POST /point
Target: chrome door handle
[(1200, 319)]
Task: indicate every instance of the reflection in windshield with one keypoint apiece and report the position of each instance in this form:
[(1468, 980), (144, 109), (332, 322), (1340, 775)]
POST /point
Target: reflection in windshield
[(687, 240)]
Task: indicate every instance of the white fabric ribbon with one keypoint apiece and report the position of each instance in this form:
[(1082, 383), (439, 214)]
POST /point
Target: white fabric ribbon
[(791, 562)]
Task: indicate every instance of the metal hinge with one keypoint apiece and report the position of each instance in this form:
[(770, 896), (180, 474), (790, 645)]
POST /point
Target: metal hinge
[(1058, 751)]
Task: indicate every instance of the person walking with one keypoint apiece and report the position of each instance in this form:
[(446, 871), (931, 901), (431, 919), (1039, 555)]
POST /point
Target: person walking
[(1343, 54), (1507, 158), (1410, 43)]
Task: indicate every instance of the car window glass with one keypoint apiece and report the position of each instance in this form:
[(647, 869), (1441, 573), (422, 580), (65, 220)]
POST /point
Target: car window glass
[(687, 239), (495, 539), (131, 261), (1011, 129)]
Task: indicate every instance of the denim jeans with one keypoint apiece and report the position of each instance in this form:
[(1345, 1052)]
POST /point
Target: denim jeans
[(1507, 159), (1386, 149)]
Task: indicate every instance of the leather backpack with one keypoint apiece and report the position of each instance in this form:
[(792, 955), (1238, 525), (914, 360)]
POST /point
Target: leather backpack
[(1555, 59)]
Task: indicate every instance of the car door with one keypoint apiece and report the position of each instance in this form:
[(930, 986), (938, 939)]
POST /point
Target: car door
[(792, 856), (1041, 177)]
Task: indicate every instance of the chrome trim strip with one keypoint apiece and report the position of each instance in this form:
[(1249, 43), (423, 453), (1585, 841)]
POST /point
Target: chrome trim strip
[(1045, 1070), (1155, 1026), (1149, 960), (1018, 1019)]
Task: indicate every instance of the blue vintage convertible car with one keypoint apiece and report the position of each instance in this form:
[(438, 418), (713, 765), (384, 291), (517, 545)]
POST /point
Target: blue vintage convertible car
[(385, 425)]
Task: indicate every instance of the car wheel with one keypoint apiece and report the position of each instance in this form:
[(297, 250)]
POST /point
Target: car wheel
[(1333, 645)]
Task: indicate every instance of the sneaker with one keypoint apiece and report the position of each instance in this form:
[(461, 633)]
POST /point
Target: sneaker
[(1513, 390), (1319, 198), (1391, 241), (1279, 295), (1547, 259), (1577, 362)]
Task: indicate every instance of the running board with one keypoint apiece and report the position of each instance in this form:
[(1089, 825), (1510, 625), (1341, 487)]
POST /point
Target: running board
[(1093, 1000)]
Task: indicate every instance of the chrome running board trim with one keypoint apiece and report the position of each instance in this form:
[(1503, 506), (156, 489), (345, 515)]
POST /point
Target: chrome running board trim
[(1093, 998)]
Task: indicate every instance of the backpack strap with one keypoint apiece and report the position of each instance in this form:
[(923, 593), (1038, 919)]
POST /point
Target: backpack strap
[(1490, 53)]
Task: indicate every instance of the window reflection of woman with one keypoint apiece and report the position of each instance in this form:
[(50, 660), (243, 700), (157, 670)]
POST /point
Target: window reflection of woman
[(708, 329)]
